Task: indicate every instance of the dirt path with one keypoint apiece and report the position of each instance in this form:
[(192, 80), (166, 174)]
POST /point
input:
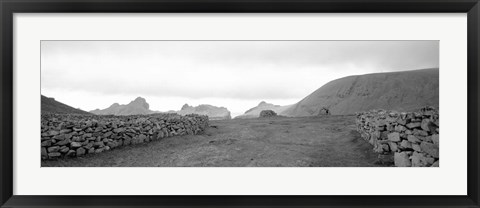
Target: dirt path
[(291, 142)]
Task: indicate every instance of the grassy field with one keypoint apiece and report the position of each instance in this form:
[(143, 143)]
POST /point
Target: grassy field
[(329, 141)]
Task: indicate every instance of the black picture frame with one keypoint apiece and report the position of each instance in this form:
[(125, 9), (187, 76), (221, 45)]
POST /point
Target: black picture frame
[(9, 7)]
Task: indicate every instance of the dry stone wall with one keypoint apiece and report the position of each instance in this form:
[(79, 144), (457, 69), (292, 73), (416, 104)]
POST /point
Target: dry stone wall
[(77, 135), (412, 137)]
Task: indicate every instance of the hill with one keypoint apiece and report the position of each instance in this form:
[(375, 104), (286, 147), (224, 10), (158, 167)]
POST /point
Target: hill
[(50, 105), (213, 112), (135, 107), (401, 91)]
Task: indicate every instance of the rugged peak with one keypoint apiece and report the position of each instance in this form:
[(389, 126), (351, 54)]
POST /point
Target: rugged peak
[(140, 102), (185, 106), (115, 105), (262, 103)]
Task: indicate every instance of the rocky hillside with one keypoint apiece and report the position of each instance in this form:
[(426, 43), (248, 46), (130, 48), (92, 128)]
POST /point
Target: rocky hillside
[(255, 111), (139, 106), (401, 91), (213, 112), (50, 105)]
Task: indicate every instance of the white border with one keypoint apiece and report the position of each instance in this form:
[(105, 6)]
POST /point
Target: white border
[(450, 178)]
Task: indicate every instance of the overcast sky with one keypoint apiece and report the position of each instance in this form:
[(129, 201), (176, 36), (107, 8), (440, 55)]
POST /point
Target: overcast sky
[(233, 74)]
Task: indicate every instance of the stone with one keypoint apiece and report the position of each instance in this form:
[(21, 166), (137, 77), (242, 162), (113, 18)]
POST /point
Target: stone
[(106, 135), (98, 150), (54, 154), (414, 125), (65, 131), (406, 144), (53, 149), (402, 121), (47, 143), (98, 144), (385, 148), (416, 147), (119, 130), (413, 139), (53, 133), (385, 159), (89, 145), (63, 142), (80, 151), (418, 132), (70, 153), (436, 164), (420, 160), (430, 160), (142, 137), (400, 128), (394, 137), (111, 145), (435, 138), (64, 149), (68, 136), (75, 145), (44, 153), (430, 148), (393, 146), (59, 137), (401, 159), (91, 150), (425, 125)]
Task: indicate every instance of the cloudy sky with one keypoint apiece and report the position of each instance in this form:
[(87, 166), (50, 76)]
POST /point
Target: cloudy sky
[(234, 74)]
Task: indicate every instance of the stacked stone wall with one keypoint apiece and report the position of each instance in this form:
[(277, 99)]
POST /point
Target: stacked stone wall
[(77, 135), (412, 137)]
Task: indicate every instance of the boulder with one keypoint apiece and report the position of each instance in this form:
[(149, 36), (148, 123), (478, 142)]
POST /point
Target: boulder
[(267, 113)]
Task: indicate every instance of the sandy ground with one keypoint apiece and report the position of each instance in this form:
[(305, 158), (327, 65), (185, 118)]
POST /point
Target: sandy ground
[(329, 141)]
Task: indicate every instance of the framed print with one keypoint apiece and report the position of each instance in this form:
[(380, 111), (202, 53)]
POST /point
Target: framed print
[(235, 103)]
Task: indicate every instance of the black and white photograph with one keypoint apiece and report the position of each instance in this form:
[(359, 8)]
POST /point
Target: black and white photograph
[(239, 103)]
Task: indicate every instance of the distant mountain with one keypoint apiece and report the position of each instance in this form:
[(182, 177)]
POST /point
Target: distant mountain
[(136, 107), (50, 105), (401, 91), (213, 112), (255, 111)]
